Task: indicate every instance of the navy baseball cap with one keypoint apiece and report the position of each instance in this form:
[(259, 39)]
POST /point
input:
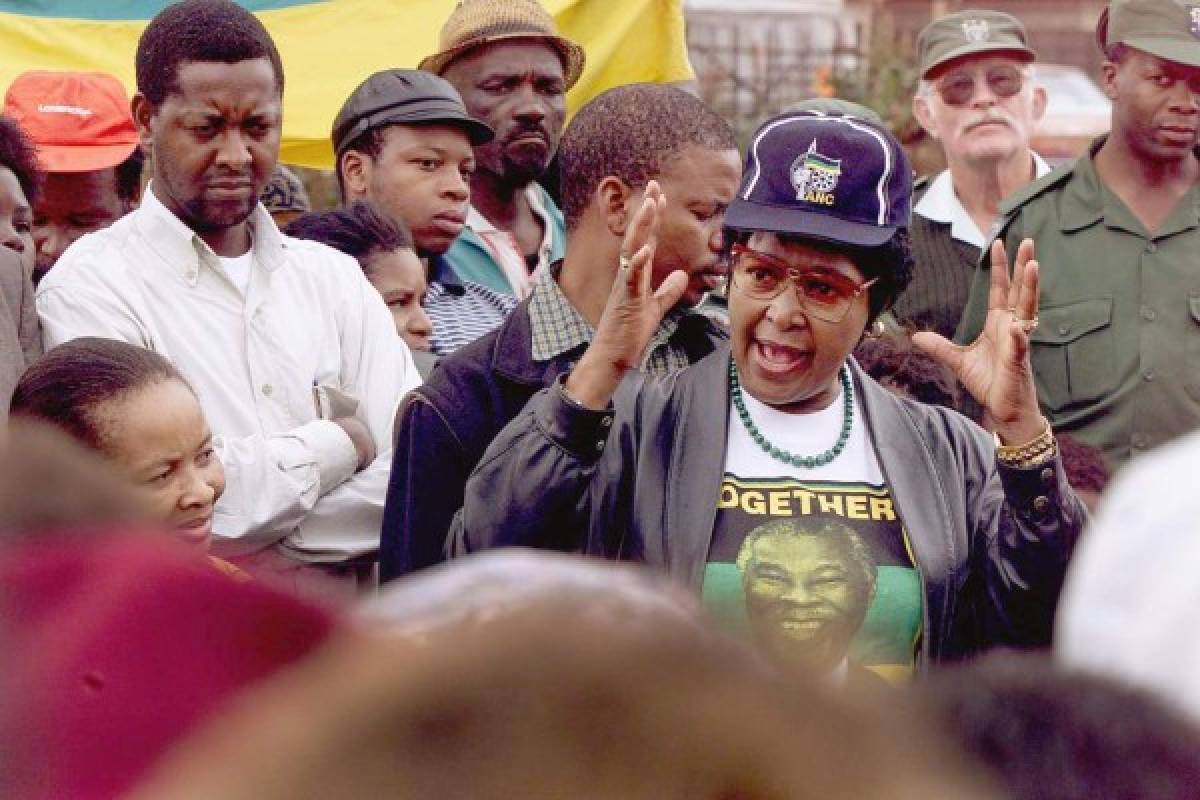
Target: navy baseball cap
[(840, 179)]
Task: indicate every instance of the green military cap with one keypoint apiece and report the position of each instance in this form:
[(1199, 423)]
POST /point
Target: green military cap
[(836, 105), (966, 33), (1168, 29)]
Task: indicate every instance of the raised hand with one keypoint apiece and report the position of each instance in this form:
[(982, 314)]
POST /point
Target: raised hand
[(633, 312), (995, 368)]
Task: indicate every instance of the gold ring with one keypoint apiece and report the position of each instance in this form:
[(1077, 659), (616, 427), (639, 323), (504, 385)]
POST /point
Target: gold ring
[(1028, 325), (625, 262)]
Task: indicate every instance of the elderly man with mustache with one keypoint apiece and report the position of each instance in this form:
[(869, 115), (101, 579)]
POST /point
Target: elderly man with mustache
[(977, 97)]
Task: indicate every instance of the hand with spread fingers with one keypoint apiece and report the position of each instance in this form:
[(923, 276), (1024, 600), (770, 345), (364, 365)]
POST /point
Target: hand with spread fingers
[(633, 312), (995, 368)]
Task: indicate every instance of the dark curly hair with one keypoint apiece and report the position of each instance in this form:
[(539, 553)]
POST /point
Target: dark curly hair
[(199, 30), (18, 153), (894, 361), (360, 230), (1084, 464), (129, 176), (629, 133)]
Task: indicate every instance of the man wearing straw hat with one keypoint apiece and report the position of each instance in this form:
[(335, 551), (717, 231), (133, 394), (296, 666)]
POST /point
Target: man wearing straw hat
[(513, 71)]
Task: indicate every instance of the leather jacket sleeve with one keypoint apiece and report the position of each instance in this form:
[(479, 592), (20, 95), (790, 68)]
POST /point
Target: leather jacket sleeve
[(429, 469), (1027, 525), (543, 476)]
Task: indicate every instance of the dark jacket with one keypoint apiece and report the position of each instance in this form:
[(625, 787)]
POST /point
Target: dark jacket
[(20, 333), (444, 427), (991, 543)]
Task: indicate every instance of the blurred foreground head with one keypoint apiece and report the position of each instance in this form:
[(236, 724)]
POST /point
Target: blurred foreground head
[(50, 481), (1054, 734), (116, 643), (552, 698), (487, 586)]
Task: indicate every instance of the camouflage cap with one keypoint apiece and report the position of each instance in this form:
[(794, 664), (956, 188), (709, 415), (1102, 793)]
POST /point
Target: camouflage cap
[(1168, 29), (966, 33)]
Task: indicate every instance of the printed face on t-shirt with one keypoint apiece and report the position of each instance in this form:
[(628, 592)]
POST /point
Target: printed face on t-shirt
[(807, 590)]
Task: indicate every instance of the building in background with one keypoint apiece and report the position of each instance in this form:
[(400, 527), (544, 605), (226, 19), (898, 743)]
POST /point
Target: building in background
[(754, 58)]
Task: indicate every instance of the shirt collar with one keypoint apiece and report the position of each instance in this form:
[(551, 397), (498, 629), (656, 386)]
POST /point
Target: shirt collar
[(555, 325), (441, 271), (557, 328), (940, 203), (183, 249), (1086, 201), (533, 195)]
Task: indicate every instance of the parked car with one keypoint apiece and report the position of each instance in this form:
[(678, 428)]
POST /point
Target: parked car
[(1077, 112)]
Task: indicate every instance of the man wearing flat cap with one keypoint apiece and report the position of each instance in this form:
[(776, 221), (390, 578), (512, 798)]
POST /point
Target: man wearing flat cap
[(513, 71), (978, 99), (404, 142), (1116, 355)]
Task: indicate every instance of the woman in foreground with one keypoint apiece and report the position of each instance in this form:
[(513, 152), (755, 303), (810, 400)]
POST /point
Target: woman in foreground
[(133, 407), (843, 526)]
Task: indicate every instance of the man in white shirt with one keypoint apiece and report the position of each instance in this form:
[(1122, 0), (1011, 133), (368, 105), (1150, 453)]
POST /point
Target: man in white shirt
[(292, 352), (977, 97)]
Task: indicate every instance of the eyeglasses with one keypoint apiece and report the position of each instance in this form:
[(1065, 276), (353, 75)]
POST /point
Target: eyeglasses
[(957, 88), (824, 293)]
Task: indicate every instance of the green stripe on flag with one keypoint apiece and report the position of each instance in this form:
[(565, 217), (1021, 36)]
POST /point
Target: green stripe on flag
[(121, 10), (818, 161)]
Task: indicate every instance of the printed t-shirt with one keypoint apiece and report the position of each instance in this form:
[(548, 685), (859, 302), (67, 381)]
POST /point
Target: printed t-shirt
[(813, 562)]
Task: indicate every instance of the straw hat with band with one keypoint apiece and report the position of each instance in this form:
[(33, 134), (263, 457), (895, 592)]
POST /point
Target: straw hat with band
[(1168, 29), (478, 22)]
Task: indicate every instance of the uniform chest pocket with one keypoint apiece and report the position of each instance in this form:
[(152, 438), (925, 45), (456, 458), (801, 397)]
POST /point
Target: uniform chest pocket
[(1072, 353), (1192, 387)]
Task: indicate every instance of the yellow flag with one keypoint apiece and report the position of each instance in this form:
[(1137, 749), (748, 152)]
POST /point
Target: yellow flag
[(329, 46)]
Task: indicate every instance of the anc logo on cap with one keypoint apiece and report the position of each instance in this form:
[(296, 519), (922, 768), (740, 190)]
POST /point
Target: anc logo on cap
[(976, 30), (1194, 13), (815, 176)]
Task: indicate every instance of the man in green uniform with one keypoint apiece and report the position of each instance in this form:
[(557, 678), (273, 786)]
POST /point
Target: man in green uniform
[(1116, 355)]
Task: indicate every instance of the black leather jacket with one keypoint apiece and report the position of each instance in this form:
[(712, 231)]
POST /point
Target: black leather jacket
[(444, 426), (641, 482)]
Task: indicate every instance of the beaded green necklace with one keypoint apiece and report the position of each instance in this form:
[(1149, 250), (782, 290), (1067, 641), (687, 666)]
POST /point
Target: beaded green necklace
[(807, 462)]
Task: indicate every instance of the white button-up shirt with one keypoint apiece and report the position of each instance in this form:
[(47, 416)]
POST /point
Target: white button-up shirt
[(308, 318), (940, 203)]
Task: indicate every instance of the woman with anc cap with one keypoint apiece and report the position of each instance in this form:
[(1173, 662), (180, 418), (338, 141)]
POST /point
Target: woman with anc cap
[(846, 527)]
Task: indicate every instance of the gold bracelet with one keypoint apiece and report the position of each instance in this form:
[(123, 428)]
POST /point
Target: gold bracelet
[(1031, 454)]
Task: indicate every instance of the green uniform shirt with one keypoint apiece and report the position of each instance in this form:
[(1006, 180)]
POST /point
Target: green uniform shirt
[(1116, 355)]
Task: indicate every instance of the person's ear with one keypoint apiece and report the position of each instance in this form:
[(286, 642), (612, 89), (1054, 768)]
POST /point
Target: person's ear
[(355, 168), (1108, 79), (1039, 102), (614, 198), (924, 114), (144, 118)]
